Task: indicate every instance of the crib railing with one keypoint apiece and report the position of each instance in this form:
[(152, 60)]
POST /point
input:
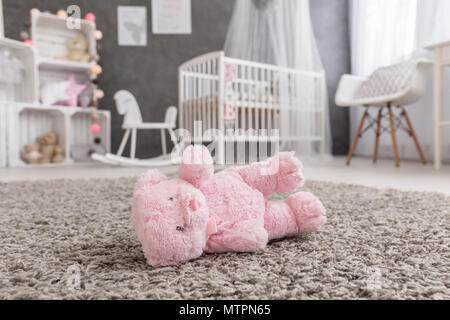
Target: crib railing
[(199, 86), (226, 93)]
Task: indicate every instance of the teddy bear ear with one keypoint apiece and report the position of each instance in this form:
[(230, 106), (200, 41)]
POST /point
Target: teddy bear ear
[(150, 178)]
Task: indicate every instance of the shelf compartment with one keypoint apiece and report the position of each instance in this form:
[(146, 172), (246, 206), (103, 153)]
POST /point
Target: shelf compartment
[(25, 91), (29, 122), (80, 128), (49, 74), (50, 32)]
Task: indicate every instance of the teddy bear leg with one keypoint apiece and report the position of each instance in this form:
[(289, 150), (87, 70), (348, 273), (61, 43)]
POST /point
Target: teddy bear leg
[(279, 220), (246, 236), (308, 211)]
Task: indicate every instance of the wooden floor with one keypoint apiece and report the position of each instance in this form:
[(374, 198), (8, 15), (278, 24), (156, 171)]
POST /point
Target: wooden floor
[(384, 174)]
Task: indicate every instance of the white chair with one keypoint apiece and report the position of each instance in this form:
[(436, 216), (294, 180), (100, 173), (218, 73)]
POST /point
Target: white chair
[(347, 96), (127, 106)]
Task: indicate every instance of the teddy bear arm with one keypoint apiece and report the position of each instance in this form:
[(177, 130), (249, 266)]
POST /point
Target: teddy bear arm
[(245, 236)]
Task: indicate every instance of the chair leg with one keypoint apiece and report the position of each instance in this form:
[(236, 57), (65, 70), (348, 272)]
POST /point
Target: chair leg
[(414, 137), (124, 142), (377, 136), (394, 139), (356, 138), (163, 142), (133, 144)]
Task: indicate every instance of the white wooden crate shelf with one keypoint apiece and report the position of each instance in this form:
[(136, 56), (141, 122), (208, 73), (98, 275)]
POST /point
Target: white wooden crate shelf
[(72, 124), (22, 117), (28, 122), (80, 132), (50, 32)]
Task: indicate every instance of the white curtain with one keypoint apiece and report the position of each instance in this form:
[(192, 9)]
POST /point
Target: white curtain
[(433, 22), (387, 31), (280, 32)]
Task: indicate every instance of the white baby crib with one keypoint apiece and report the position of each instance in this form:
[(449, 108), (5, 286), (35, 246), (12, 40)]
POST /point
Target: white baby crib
[(226, 93)]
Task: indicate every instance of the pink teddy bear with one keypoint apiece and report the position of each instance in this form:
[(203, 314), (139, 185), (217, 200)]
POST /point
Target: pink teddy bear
[(177, 220)]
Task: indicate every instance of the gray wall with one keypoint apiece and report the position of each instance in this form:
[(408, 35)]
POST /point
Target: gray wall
[(330, 22), (151, 72)]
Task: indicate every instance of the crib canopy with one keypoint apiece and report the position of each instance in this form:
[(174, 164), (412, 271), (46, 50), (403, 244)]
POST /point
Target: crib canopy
[(280, 32)]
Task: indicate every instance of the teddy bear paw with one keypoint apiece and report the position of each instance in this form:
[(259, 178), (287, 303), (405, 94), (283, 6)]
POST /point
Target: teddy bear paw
[(289, 173), (308, 210)]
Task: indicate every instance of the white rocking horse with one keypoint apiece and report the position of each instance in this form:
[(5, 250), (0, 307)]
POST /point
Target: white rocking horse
[(127, 106)]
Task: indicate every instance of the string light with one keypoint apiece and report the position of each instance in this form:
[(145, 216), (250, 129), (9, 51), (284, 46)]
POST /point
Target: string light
[(95, 128), (90, 17), (61, 13)]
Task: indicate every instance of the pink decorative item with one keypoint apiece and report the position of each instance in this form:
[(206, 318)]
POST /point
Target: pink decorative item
[(229, 72), (73, 91), (177, 220), (229, 111), (28, 42), (97, 69), (62, 13), (95, 128), (99, 94), (98, 35), (90, 17)]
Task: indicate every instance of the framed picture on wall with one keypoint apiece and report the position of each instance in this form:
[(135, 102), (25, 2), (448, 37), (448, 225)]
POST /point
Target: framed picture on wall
[(132, 25), (171, 17)]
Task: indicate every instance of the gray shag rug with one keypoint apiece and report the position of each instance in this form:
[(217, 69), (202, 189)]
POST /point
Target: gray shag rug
[(72, 239)]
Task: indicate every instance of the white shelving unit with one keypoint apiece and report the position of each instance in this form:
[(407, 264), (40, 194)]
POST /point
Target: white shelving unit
[(23, 118)]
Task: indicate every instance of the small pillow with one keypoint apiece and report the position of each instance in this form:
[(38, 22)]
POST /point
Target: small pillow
[(52, 92)]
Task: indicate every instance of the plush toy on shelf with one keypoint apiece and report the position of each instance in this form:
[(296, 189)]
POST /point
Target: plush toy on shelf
[(77, 48), (62, 93), (58, 154), (86, 97), (50, 150), (73, 91), (32, 154), (54, 92), (177, 220)]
